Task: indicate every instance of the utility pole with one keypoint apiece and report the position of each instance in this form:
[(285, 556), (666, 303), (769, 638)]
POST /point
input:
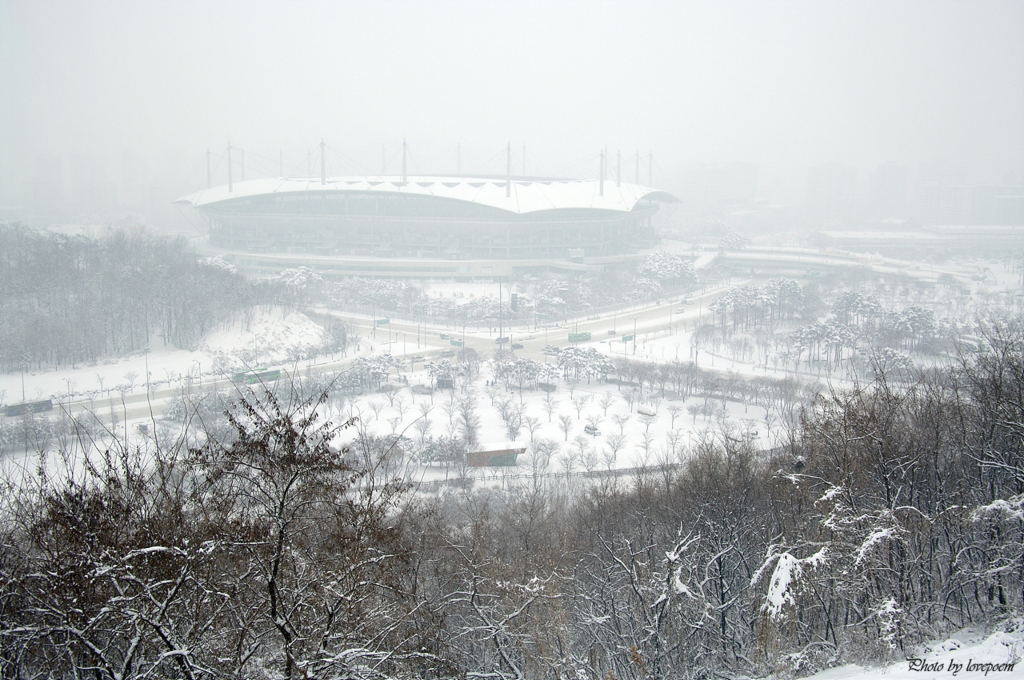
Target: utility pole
[(601, 178), (508, 171), (209, 176), (242, 159), (323, 163), (230, 184), (404, 175), (618, 169)]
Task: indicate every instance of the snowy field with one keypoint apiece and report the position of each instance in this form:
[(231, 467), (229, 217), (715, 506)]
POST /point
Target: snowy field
[(266, 337), (968, 654)]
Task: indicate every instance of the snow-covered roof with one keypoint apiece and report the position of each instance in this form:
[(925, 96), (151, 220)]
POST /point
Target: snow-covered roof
[(527, 194)]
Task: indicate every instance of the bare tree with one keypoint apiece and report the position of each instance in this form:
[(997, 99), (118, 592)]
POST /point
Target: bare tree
[(541, 452), (565, 423), (580, 402), (401, 405), (532, 425), (424, 422), (673, 411), (131, 376), (450, 408), (469, 420), (376, 407), (615, 443), (622, 420), (607, 399), (550, 404), (568, 463), (390, 391)]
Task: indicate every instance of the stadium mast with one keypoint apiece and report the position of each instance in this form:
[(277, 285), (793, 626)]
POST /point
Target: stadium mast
[(508, 171), (618, 169), (230, 187), (323, 163), (209, 177), (404, 175), (601, 178)]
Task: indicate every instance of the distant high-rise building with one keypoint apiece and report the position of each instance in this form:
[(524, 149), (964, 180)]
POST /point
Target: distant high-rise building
[(887, 189), (832, 195), (961, 204)]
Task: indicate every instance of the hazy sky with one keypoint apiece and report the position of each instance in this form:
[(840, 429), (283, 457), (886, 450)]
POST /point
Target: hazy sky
[(785, 85)]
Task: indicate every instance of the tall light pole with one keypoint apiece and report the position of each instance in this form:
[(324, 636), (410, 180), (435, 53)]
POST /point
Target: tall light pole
[(634, 334)]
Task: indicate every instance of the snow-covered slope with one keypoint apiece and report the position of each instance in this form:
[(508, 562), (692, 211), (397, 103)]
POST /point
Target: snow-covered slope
[(266, 337), (968, 654)]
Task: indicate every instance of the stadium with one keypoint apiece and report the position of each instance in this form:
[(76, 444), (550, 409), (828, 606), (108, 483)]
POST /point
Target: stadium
[(440, 226)]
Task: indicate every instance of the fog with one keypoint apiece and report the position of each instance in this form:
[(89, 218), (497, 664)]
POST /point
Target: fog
[(507, 341), (131, 94)]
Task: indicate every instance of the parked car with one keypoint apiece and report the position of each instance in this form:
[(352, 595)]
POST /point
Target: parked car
[(592, 431), (447, 353), (517, 345)]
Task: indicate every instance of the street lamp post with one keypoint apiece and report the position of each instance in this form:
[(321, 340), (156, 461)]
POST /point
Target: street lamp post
[(634, 334)]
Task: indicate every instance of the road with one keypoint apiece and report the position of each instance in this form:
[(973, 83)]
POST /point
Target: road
[(656, 317)]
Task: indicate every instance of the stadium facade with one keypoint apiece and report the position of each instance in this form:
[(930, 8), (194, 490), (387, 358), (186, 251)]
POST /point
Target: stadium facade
[(437, 226)]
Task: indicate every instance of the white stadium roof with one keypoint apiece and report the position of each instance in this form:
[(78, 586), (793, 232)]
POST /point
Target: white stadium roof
[(528, 194)]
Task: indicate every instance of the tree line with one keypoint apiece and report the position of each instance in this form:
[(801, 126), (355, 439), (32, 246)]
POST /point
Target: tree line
[(896, 514), (65, 300)]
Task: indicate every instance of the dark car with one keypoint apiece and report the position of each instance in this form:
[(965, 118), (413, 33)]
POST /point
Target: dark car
[(517, 345)]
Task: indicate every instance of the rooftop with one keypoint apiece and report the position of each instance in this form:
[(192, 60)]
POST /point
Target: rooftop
[(527, 194)]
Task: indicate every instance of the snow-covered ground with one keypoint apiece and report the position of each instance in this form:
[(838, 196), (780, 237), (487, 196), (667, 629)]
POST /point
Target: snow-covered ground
[(967, 654), (272, 337), (266, 337)]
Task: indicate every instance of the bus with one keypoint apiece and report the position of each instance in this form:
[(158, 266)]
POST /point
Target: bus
[(257, 375)]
